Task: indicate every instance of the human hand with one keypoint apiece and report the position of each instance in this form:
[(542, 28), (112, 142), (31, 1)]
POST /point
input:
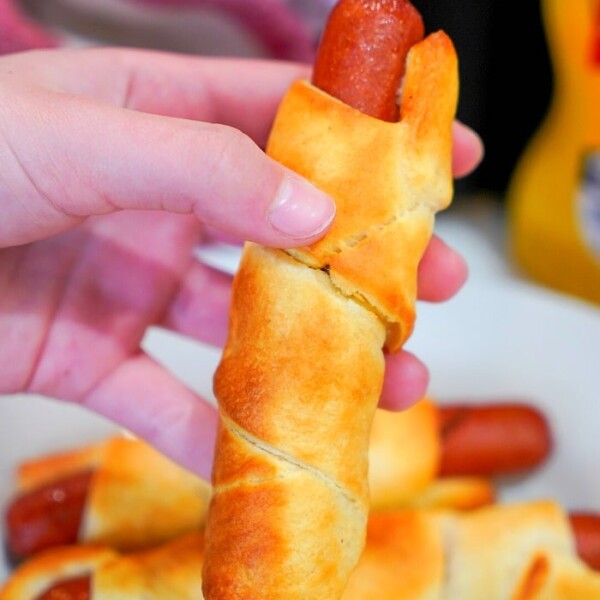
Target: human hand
[(112, 162)]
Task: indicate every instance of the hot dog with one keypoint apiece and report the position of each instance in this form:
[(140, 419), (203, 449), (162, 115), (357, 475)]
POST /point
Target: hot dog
[(362, 54), (586, 530), (492, 439), (479, 440), (48, 516), (77, 588)]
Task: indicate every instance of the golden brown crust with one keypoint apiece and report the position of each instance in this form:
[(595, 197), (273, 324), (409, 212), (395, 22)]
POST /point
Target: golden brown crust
[(403, 559), (302, 369), (290, 490), (139, 498), (521, 551), (404, 453), (282, 393)]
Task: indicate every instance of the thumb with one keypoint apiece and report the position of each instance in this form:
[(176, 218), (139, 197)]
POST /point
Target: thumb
[(66, 157)]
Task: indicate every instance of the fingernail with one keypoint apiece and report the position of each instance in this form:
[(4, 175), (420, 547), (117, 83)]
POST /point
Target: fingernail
[(470, 135), (300, 209)]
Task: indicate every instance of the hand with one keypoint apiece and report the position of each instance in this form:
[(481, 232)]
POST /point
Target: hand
[(111, 164)]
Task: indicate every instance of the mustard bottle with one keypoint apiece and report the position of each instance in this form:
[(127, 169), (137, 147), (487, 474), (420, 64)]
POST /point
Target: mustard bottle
[(554, 194)]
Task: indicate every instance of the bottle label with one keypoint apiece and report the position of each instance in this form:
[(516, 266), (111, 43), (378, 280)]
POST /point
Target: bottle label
[(589, 201)]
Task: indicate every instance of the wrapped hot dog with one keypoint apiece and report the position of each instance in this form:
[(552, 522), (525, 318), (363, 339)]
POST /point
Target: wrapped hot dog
[(449, 455), (302, 369), (122, 493)]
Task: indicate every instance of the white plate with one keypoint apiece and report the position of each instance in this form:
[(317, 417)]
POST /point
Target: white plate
[(499, 338)]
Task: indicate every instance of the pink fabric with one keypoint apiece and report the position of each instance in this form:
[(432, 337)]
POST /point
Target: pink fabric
[(284, 34), (281, 30), (18, 33)]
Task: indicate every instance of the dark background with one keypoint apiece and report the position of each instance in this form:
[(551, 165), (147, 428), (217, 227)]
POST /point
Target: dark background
[(505, 74)]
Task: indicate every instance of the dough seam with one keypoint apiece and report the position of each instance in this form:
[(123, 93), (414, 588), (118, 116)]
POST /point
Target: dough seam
[(353, 240), (357, 298), (282, 457)]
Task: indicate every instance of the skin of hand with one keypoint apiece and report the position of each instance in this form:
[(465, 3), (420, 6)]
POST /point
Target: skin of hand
[(114, 164)]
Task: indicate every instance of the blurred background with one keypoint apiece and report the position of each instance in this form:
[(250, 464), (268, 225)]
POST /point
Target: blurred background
[(505, 74)]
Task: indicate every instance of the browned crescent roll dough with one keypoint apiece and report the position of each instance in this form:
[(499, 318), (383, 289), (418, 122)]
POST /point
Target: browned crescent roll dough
[(302, 369), (511, 552)]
